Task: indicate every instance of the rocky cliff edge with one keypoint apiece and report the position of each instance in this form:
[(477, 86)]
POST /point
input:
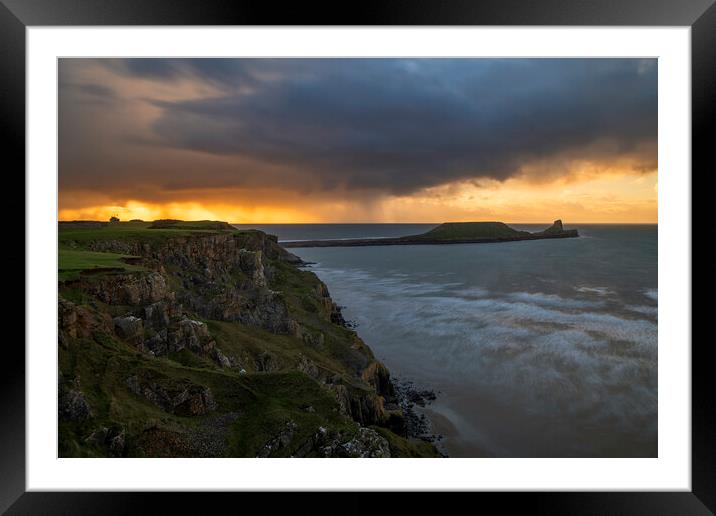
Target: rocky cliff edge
[(214, 343)]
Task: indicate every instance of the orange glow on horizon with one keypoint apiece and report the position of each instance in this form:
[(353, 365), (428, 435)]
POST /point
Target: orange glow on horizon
[(619, 197)]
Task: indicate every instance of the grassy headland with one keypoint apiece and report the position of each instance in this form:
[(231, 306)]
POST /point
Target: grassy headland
[(450, 233), (197, 339)]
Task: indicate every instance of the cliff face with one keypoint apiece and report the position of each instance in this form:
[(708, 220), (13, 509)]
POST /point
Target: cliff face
[(218, 346)]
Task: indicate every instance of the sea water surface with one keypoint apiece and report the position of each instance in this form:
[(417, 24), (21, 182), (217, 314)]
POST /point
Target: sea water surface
[(542, 348)]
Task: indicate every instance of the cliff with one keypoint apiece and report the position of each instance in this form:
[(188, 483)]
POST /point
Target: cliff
[(194, 340)]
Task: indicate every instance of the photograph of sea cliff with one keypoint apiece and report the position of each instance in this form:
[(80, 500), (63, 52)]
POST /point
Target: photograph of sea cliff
[(357, 257)]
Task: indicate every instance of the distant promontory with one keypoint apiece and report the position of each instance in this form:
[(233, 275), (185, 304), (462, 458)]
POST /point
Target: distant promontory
[(450, 233)]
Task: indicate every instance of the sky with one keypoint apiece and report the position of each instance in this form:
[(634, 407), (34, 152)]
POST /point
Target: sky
[(358, 140)]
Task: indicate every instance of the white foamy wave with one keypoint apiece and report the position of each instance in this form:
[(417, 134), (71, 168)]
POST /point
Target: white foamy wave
[(643, 309), (652, 293), (537, 350), (601, 291), (553, 300)]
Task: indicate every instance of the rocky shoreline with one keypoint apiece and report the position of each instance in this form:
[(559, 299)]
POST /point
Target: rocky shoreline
[(411, 399)]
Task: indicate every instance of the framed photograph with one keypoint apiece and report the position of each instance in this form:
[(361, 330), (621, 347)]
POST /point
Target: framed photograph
[(443, 247)]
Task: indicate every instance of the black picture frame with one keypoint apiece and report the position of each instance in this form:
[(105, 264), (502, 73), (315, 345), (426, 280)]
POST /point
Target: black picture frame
[(17, 15)]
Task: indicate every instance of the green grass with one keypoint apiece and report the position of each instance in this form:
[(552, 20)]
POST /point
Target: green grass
[(73, 261), (75, 241), (262, 402), (71, 235), (470, 230), (201, 225)]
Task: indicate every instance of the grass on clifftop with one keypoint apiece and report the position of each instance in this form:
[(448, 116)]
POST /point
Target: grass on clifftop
[(80, 234), (73, 261), (201, 225), (470, 231), (75, 237)]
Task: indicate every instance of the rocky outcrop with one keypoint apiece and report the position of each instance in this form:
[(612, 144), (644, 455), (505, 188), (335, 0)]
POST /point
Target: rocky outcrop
[(127, 289), (363, 443), (282, 440), (378, 377), (251, 264), (112, 438), (222, 277), (262, 308), (556, 230), (555, 227), (215, 252), (130, 328), (182, 398), (80, 321), (158, 315), (72, 404), (366, 443)]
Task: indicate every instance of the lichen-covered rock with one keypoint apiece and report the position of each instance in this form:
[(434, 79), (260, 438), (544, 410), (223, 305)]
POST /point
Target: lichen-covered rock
[(366, 442)]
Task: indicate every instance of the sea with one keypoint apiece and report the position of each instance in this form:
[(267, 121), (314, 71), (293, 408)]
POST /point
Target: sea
[(543, 348)]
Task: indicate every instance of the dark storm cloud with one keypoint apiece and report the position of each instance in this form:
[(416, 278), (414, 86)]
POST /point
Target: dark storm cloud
[(228, 74), (398, 125), (89, 93)]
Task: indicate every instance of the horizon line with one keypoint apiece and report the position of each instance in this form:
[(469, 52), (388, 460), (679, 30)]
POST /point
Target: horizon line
[(367, 222)]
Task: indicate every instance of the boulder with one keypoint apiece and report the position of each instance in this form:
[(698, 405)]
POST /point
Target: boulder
[(191, 334), (129, 328)]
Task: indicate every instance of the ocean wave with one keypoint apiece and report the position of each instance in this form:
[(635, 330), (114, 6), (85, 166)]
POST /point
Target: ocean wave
[(564, 355), (652, 293), (602, 291)]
